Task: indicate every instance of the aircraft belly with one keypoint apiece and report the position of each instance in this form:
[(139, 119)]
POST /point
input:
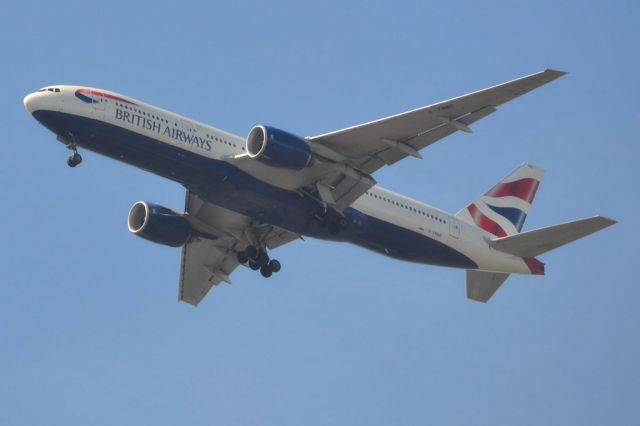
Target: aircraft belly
[(222, 184)]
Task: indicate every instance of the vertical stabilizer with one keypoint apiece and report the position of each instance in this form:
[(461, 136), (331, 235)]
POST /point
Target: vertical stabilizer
[(503, 209)]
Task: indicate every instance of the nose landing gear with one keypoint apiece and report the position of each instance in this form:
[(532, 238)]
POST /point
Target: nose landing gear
[(258, 259), (70, 140)]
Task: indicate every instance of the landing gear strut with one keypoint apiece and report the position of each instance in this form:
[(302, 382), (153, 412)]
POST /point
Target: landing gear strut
[(258, 259), (70, 140)]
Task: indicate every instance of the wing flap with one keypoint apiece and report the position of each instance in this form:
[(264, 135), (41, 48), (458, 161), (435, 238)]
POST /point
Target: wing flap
[(210, 256), (365, 143), (204, 265), (390, 156)]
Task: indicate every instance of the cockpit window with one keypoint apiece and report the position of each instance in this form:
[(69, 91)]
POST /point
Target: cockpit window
[(50, 89)]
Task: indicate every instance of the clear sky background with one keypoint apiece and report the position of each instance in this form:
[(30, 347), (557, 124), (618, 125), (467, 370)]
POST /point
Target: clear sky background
[(90, 329)]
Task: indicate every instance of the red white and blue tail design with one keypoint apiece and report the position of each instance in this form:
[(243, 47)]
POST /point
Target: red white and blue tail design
[(503, 209)]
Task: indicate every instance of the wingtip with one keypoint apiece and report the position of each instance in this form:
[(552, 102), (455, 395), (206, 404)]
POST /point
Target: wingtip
[(607, 220), (555, 73)]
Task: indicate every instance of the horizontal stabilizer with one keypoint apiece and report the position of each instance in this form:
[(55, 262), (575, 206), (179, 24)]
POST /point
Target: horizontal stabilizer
[(533, 243), (481, 284)]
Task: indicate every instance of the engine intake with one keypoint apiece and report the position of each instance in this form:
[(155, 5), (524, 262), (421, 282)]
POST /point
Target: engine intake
[(159, 224), (278, 148)]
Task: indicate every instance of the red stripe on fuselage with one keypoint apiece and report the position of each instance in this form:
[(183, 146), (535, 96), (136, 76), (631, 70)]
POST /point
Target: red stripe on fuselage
[(106, 95), (525, 189), (484, 222)]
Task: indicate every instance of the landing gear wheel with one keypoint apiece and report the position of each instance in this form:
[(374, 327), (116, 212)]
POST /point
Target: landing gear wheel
[(257, 258), (275, 265), (251, 252), (262, 258), (266, 271), (242, 257), (74, 159)]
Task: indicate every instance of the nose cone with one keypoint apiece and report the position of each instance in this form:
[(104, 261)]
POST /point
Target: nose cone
[(31, 102)]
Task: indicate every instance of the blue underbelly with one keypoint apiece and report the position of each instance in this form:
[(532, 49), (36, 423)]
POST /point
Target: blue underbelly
[(221, 183)]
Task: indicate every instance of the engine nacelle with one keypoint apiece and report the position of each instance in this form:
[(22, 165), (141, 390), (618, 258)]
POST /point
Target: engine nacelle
[(159, 224), (278, 148)]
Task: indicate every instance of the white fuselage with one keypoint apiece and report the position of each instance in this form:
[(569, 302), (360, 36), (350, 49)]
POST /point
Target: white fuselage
[(190, 136)]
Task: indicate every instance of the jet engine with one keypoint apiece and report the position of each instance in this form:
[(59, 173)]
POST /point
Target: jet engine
[(159, 224), (278, 148)]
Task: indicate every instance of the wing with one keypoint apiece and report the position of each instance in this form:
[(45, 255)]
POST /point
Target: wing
[(347, 158), (210, 256), (371, 145)]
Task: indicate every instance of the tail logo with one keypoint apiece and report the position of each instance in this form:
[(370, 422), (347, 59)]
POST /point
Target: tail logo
[(524, 189), (503, 209)]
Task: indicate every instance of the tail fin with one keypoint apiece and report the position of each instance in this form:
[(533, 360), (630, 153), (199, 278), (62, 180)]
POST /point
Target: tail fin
[(503, 209)]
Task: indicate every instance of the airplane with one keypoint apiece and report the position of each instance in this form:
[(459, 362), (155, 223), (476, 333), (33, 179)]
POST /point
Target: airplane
[(247, 196)]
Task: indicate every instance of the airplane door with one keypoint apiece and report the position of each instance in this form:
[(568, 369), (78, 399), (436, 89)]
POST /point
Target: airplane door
[(454, 227), (99, 104)]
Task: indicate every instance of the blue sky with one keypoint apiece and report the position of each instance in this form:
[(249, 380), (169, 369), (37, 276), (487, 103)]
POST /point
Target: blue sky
[(90, 330)]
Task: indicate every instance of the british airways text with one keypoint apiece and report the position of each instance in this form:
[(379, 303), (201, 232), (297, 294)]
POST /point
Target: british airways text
[(154, 126)]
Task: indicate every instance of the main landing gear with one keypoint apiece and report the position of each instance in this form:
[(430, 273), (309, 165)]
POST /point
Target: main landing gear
[(258, 259)]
